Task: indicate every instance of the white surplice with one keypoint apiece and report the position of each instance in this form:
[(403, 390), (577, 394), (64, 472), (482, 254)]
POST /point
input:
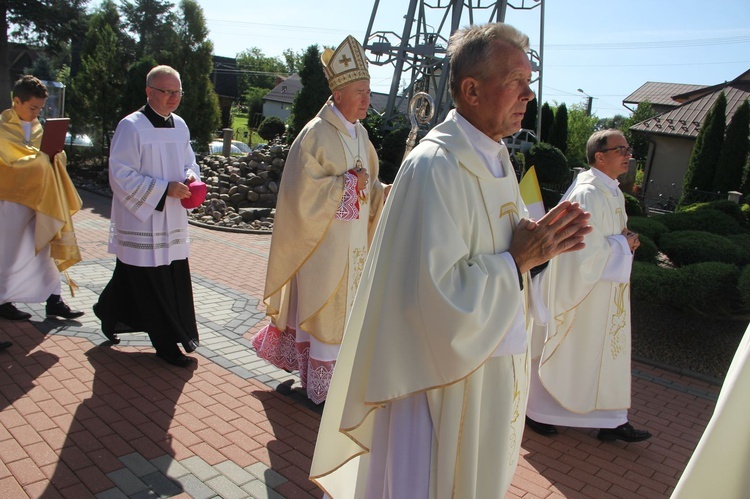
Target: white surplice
[(142, 162)]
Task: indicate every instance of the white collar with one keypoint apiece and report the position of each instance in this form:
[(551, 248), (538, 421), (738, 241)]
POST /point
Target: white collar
[(610, 183), (350, 127), (487, 149)]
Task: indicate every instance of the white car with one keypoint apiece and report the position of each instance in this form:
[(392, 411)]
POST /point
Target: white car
[(521, 141), (237, 147), (80, 140)]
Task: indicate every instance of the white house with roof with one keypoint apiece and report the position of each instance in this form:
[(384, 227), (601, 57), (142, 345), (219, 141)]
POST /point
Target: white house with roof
[(278, 102)]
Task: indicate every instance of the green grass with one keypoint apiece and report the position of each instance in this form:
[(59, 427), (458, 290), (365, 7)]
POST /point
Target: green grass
[(242, 132)]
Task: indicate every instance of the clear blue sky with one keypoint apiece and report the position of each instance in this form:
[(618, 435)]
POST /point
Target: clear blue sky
[(606, 48)]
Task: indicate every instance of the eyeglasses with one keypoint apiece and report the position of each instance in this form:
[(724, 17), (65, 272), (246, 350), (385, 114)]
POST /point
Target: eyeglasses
[(171, 93), (624, 151)]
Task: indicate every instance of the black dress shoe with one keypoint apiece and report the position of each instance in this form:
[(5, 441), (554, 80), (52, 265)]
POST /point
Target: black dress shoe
[(545, 429), (4, 345), (10, 312), (178, 360), (624, 432), (61, 309), (112, 337)]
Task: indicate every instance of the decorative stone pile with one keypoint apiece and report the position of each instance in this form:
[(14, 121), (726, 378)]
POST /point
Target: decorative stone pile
[(242, 191)]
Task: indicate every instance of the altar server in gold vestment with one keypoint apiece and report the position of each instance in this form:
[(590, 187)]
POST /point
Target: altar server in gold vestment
[(37, 201), (328, 205), (581, 367), (429, 393)]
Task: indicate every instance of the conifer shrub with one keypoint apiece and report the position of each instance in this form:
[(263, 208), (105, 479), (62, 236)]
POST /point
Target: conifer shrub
[(709, 220), (550, 164), (647, 251), (647, 226), (686, 247)]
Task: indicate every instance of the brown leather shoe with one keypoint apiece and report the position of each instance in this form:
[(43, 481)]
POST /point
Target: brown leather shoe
[(624, 432), (10, 312)]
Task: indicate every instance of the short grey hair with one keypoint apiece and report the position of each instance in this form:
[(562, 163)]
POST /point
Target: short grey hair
[(471, 47), (598, 141), (159, 71)]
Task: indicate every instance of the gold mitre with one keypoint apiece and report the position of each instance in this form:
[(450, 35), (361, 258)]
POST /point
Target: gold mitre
[(346, 64)]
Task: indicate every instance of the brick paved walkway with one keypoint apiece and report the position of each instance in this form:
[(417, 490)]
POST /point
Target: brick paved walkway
[(80, 418)]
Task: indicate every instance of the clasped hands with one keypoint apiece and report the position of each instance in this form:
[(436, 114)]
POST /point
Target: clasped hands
[(180, 190), (561, 230), (633, 240)]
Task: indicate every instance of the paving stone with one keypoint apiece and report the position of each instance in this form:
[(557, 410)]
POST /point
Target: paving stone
[(266, 475), (126, 481), (111, 494), (167, 465), (195, 487), (138, 464), (235, 473), (260, 490), (161, 484), (200, 468), (226, 488)]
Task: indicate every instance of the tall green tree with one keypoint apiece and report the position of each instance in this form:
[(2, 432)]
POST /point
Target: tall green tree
[(529, 119), (638, 141), (50, 23), (615, 122), (134, 90), (293, 61), (731, 163), (194, 61), (151, 22), (258, 70), (706, 151), (745, 189), (101, 76), (314, 93), (548, 120), (559, 133), (580, 128)]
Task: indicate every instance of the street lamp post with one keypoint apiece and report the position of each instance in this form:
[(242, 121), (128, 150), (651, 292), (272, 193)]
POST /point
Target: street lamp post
[(589, 104)]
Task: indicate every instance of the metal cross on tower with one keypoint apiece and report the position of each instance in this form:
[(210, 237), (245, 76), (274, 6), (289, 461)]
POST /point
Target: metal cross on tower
[(418, 54)]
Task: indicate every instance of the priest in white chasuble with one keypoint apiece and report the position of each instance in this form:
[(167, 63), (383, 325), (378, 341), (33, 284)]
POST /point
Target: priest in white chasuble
[(329, 202), (429, 393), (150, 162), (581, 368)]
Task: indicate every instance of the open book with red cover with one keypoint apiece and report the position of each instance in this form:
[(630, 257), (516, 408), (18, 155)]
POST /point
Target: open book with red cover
[(53, 138)]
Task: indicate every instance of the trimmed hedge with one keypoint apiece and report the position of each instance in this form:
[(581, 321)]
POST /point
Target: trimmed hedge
[(633, 207), (687, 247), (743, 286), (708, 288), (653, 284), (708, 220), (647, 226), (726, 206), (742, 241), (647, 251)]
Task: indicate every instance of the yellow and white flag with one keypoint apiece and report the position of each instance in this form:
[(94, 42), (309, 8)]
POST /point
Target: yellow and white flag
[(531, 194)]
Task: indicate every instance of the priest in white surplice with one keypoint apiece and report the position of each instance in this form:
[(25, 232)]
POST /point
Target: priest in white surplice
[(581, 358), (149, 162), (429, 392), (329, 203)]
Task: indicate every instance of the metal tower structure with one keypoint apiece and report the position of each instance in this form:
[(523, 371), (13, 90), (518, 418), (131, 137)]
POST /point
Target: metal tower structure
[(418, 54)]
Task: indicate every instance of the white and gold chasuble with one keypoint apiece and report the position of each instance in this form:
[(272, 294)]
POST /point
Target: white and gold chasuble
[(437, 297), (585, 358), (316, 259)]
